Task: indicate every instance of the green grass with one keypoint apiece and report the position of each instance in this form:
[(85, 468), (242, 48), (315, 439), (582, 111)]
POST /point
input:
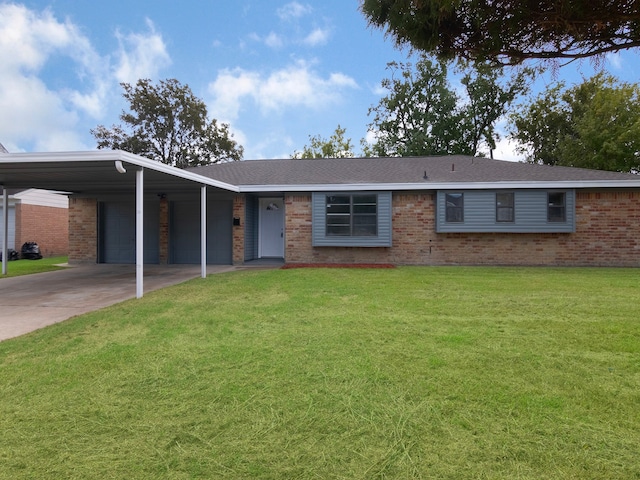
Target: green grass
[(435, 373), (27, 267)]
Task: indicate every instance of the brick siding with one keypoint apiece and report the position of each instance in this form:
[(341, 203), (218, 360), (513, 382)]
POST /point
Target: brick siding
[(47, 226), (83, 229), (607, 234), (238, 230)]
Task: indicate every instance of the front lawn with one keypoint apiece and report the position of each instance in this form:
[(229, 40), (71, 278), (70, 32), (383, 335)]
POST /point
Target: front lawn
[(27, 267), (438, 373)]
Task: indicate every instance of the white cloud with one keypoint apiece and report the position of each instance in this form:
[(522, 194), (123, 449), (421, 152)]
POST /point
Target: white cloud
[(506, 150), (296, 86), (32, 112), (615, 59), (42, 104), (505, 147), (318, 37), (141, 55), (27, 38), (273, 40), (293, 10), (229, 89)]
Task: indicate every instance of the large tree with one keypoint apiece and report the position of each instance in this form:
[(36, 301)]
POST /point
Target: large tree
[(336, 146), (168, 123), (418, 116), (424, 115), (595, 124), (509, 31)]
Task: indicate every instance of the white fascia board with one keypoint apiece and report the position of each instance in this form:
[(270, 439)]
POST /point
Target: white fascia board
[(114, 155), (439, 186)]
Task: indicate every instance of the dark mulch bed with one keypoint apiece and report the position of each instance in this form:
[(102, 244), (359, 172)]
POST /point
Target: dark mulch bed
[(338, 265)]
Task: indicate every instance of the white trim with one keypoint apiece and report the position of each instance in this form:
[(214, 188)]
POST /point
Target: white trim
[(139, 233), (5, 231), (440, 186), (203, 231)]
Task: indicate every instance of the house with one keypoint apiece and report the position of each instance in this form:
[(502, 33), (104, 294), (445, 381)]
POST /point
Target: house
[(33, 215), (452, 210), (37, 216)]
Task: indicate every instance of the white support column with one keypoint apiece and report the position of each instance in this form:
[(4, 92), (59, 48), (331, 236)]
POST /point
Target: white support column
[(139, 232), (5, 231), (203, 231)]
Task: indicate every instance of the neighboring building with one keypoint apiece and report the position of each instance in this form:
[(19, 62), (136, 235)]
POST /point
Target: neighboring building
[(37, 216)]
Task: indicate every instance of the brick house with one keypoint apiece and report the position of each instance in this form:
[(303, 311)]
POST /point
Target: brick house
[(37, 216), (452, 210)]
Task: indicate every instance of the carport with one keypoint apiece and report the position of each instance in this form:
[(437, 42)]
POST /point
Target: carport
[(103, 172)]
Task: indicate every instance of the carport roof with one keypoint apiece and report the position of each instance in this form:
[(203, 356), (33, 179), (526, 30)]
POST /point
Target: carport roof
[(94, 172)]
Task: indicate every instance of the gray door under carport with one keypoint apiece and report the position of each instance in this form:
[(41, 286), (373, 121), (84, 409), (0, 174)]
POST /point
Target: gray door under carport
[(118, 232), (184, 236)]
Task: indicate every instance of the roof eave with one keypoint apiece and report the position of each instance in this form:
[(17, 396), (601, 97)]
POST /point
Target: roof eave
[(440, 186)]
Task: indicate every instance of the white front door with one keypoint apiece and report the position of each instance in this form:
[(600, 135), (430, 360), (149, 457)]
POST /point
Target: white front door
[(271, 228)]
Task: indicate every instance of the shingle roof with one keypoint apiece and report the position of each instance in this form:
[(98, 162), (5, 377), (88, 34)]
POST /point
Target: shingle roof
[(406, 170)]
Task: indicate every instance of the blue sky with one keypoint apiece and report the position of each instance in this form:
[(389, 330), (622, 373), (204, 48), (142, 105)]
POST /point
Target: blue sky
[(276, 71)]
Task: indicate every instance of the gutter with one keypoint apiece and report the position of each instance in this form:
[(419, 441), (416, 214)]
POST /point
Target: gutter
[(423, 186)]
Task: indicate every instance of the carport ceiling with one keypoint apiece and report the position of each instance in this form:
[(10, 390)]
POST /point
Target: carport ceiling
[(95, 173)]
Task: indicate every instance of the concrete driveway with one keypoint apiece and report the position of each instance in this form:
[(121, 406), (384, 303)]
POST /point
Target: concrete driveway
[(31, 302)]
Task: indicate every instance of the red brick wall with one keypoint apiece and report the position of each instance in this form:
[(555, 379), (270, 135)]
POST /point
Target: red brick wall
[(297, 227), (47, 226), (238, 230), (607, 233), (83, 230)]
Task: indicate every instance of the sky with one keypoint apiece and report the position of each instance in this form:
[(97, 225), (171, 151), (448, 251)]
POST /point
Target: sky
[(277, 72)]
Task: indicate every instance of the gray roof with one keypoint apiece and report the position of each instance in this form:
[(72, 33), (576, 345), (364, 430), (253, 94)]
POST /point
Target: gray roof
[(406, 170)]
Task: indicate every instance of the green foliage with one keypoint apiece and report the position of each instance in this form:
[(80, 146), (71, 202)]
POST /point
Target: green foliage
[(487, 100), (509, 31), (444, 373), (168, 123), (595, 124), (423, 114), (334, 147), (419, 115)]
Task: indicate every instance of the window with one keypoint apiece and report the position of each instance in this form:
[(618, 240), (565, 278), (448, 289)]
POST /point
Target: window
[(454, 210), (556, 207), (352, 215), (505, 207)]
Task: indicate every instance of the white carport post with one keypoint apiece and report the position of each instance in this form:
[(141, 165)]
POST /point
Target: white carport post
[(5, 230), (139, 232), (203, 231)]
